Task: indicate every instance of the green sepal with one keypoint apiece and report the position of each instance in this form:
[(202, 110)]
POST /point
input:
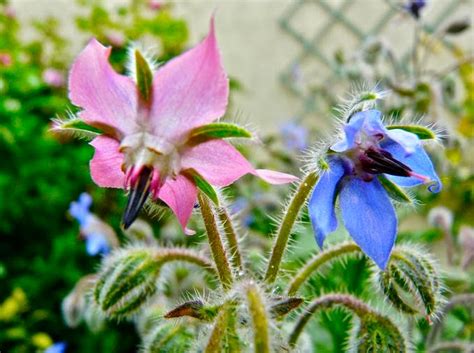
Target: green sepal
[(144, 76), (219, 131), (204, 186), (422, 132), (284, 305), (76, 126), (393, 190)]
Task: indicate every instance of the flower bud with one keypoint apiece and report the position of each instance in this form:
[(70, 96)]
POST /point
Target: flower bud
[(283, 305), (126, 281), (378, 334), (466, 240), (194, 308), (411, 282), (168, 337), (75, 304), (141, 231), (441, 217)]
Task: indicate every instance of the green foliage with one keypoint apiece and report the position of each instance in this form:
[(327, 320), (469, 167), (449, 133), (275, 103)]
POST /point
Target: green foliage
[(40, 174)]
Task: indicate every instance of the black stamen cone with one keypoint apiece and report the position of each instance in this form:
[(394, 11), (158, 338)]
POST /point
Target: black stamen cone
[(137, 197), (378, 162)]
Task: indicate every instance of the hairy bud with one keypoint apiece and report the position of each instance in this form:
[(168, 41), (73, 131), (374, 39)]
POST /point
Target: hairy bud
[(75, 305), (168, 337), (411, 282), (378, 334), (126, 281)]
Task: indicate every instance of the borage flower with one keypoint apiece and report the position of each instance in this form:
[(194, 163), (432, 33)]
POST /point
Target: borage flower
[(159, 138), (367, 160), (98, 235), (414, 7)]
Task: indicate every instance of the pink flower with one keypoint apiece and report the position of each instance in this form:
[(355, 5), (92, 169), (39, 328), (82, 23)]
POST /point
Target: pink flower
[(155, 4), (116, 38), (147, 147), (6, 59), (53, 77)]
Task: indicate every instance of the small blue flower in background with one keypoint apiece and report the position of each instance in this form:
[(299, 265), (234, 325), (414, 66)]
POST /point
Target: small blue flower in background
[(414, 7), (96, 241), (295, 136), (59, 347), (80, 209), (368, 150), (242, 207)]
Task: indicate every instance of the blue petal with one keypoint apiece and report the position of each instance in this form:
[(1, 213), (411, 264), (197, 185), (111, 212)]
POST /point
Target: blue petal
[(59, 347), (370, 218), (80, 209), (321, 204), (368, 120), (404, 138), (418, 161), (96, 243), (85, 200)]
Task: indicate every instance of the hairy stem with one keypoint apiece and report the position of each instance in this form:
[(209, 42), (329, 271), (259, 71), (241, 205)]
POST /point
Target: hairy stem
[(314, 264), (215, 242), (355, 305), (456, 346), (289, 219), (177, 254), (460, 299), (232, 241), (259, 319), (214, 344)]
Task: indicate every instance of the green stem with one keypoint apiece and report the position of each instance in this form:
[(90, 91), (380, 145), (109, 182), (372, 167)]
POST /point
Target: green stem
[(165, 255), (460, 299), (215, 340), (457, 346), (231, 337), (259, 319), (289, 219), (232, 241), (355, 305), (215, 242), (317, 261)]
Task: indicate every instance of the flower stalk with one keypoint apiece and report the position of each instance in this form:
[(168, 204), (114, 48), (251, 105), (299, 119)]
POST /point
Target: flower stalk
[(232, 240), (215, 242), (259, 319), (370, 320), (286, 225), (319, 260)]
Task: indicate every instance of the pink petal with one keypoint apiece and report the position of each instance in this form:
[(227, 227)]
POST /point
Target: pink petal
[(221, 164), (105, 96), (180, 195), (273, 177), (190, 90), (106, 165)]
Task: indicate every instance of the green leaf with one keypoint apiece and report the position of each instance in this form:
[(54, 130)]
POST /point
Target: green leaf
[(393, 190), (219, 131), (422, 132), (76, 126), (204, 186), (144, 76)]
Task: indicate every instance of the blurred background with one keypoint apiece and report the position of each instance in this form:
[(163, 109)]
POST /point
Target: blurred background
[(290, 64)]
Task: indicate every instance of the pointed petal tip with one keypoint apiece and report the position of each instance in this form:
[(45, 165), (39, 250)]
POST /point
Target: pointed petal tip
[(274, 177)]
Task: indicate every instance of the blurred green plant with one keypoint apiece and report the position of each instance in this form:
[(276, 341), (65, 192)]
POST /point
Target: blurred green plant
[(37, 181)]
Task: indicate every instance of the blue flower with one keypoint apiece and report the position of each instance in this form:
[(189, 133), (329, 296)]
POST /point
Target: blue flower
[(368, 150), (80, 209), (96, 242), (295, 136), (59, 347), (414, 7)]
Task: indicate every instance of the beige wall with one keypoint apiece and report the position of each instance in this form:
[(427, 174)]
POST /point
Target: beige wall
[(255, 49)]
